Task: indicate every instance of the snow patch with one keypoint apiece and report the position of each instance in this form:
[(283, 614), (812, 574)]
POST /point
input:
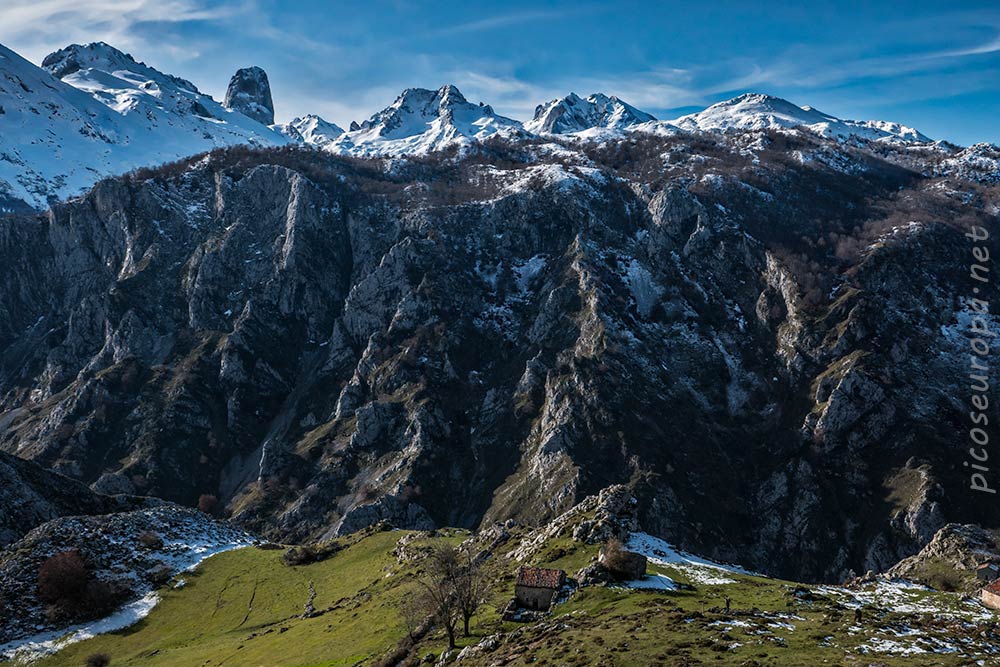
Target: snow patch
[(700, 570)]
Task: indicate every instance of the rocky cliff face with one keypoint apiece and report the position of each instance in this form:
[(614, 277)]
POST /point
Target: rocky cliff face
[(249, 93), (762, 334)]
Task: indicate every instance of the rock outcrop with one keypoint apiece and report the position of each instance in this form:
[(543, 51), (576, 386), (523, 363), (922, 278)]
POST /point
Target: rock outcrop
[(249, 92), (950, 558)]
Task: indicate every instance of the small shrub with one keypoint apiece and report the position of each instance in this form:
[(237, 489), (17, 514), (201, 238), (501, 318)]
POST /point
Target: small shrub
[(208, 503), (62, 578), (71, 592), (98, 660), (313, 553), (150, 540)]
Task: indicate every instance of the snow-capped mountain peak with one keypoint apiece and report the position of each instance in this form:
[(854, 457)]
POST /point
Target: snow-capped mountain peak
[(422, 120), (574, 114), (94, 111), (752, 111), (421, 105), (310, 129), (757, 111), (103, 57)]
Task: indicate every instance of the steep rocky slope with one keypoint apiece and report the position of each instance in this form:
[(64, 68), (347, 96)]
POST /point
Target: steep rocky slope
[(31, 495), (762, 332)]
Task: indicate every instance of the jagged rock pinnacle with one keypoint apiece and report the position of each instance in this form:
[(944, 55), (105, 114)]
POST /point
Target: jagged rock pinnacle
[(250, 93)]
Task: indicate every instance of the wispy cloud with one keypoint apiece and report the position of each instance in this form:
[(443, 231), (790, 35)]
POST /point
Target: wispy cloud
[(511, 19), (36, 27), (992, 46)]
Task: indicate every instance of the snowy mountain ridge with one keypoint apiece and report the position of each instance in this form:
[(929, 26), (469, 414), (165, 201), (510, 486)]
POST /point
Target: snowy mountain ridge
[(310, 129), (755, 111), (92, 111)]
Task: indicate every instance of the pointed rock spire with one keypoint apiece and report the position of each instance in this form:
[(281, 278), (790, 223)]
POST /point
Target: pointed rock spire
[(250, 93)]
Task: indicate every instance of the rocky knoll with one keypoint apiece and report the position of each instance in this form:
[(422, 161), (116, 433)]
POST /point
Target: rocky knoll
[(950, 559), (760, 333), (131, 552)]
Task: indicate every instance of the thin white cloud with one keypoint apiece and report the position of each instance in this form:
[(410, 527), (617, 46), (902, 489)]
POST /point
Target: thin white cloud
[(514, 18), (34, 28), (991, 46)]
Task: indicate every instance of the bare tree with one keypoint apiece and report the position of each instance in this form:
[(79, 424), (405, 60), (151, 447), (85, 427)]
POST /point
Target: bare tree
[(414, 612), (438, 584), (472, 587), (454, 586)]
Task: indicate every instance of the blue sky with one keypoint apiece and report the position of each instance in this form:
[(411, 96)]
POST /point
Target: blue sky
[(934, 66)]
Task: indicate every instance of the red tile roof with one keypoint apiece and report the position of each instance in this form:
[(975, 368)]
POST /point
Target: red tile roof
[(540, 577), (993, 587)]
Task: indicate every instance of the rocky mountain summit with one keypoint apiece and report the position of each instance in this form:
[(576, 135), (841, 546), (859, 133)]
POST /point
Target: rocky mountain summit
[(249, 93), (574, 114), (761, 332), (421, 121)]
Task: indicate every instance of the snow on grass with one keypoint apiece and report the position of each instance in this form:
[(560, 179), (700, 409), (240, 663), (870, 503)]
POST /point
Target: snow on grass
[(22, 651), (906, 597), (28, 649), (919, 644), (660, 582), (731, 624), (700, 570)]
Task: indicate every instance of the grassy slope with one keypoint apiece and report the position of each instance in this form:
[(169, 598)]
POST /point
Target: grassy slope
[(211, 621), (243, 608)]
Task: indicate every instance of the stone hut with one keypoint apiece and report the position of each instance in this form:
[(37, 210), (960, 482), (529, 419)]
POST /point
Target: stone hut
[(537, 587), (988, 572), (990, 595)]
